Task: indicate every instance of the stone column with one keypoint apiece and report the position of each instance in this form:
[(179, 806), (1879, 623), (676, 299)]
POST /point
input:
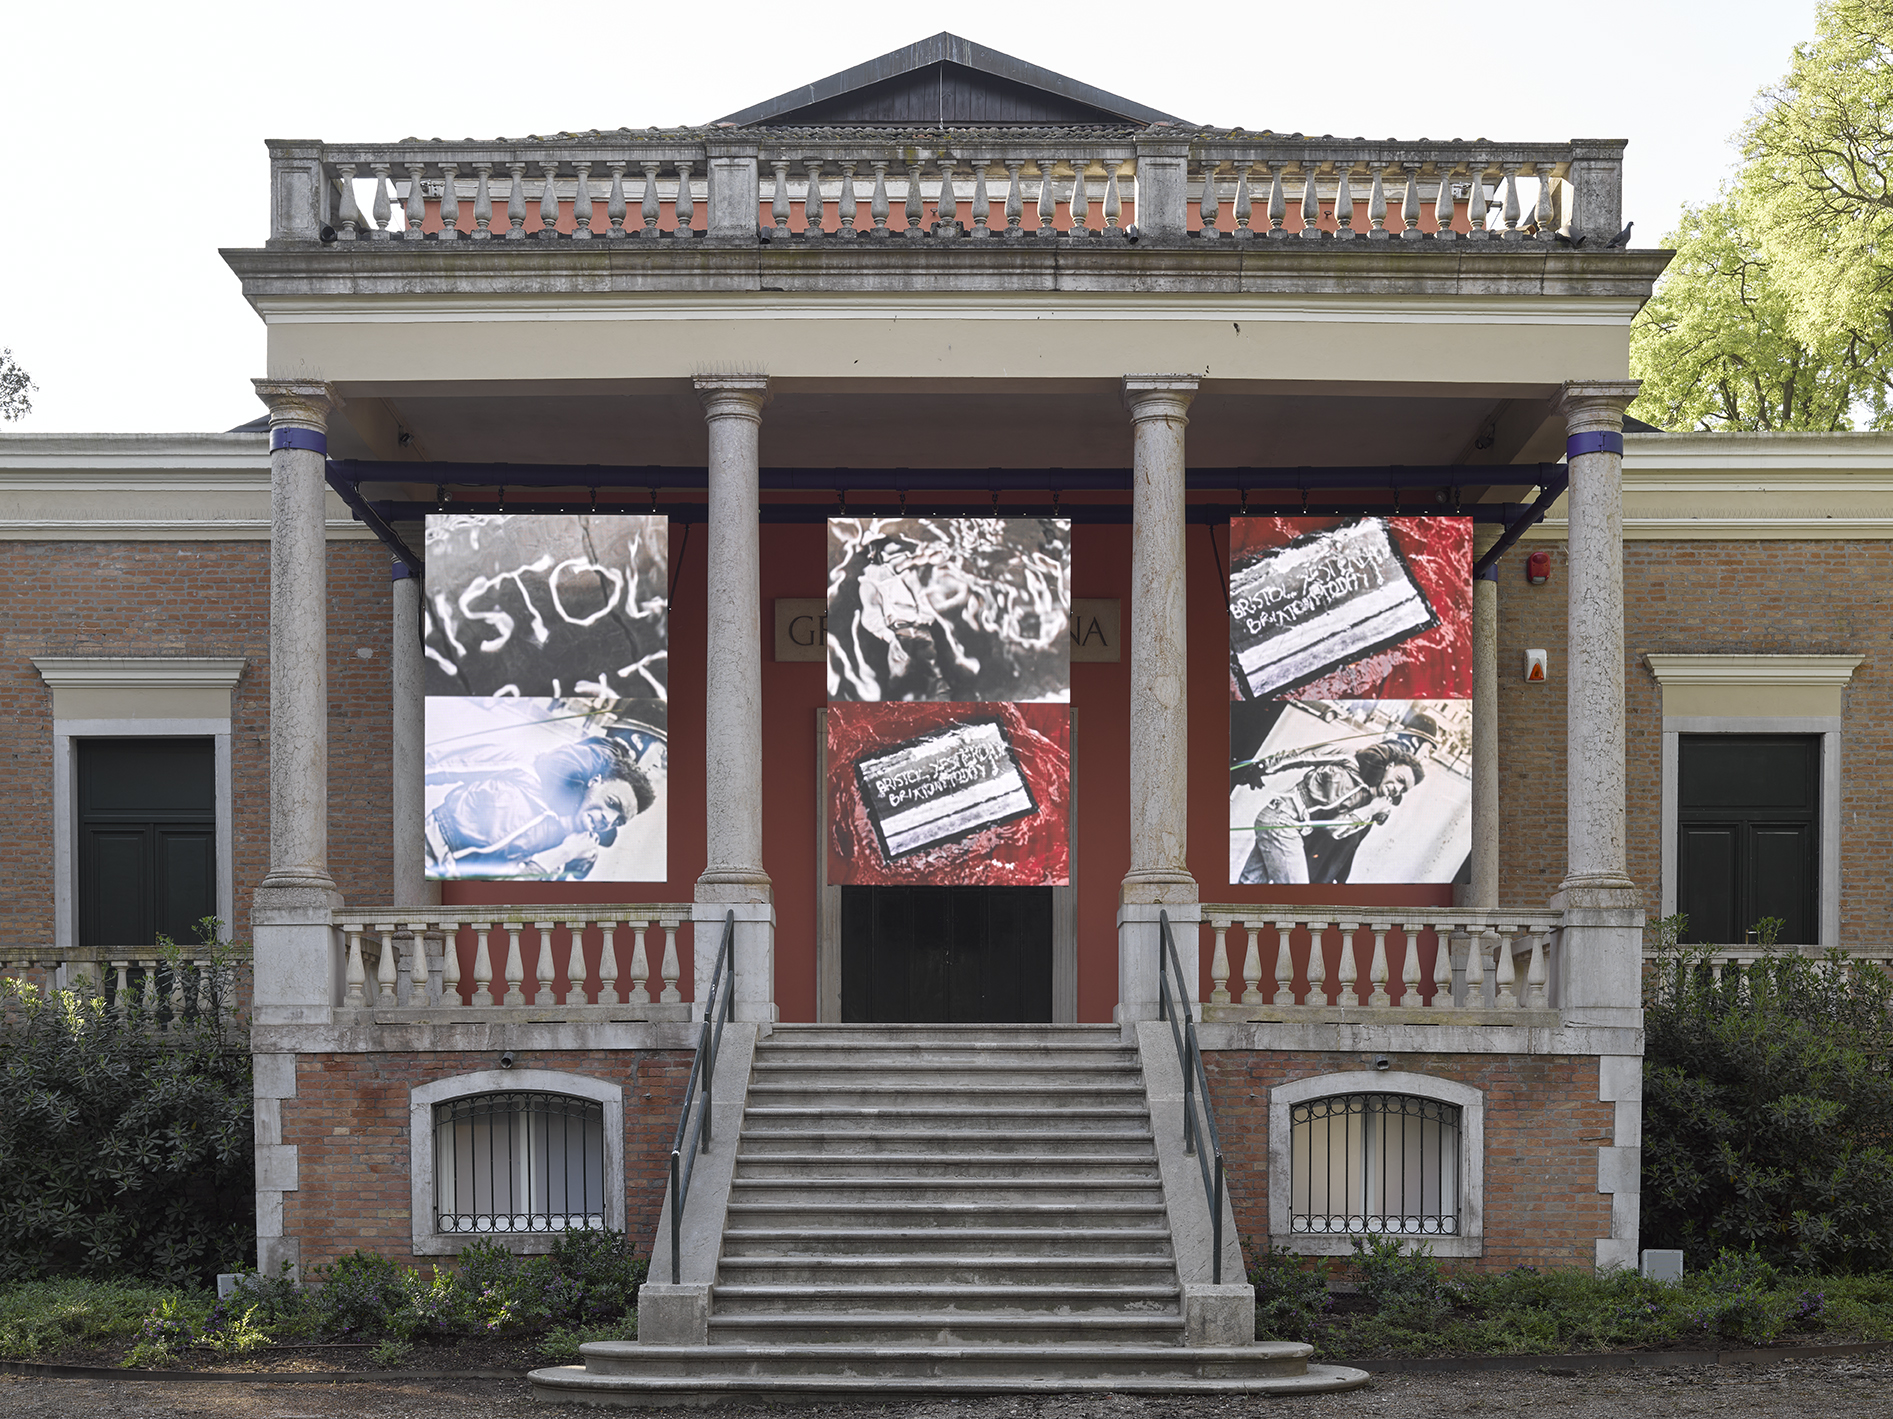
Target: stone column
[(1603, 937), (1483, 890), (1159, 877), (733, 876), (290, 919), (407, 668)]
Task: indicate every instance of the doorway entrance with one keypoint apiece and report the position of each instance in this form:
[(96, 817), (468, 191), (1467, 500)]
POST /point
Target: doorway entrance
[(946, 955), (1748, 814)]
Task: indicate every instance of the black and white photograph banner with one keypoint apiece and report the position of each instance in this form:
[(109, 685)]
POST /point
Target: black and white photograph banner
[(949, 609), (1331, 791), (542, 789)]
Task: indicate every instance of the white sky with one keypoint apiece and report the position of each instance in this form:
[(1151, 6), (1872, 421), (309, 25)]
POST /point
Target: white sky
[(131, 135)]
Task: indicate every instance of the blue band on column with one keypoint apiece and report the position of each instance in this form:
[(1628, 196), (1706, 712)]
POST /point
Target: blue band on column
[(1580, 444), (1491, 573), (399, 571), (307, 439)]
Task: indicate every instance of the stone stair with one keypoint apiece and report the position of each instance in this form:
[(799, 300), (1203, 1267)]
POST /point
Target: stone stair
[(942, 1209)]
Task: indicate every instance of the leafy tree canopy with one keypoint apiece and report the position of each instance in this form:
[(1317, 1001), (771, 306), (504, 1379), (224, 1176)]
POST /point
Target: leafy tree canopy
[(16, 389), (1777, 312)]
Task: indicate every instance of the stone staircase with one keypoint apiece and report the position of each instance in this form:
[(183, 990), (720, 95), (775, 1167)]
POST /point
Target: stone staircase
[(942, 1209)]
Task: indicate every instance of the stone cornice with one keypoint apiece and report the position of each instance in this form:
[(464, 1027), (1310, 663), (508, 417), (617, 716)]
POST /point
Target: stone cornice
[(1753, 669), (139, 672)]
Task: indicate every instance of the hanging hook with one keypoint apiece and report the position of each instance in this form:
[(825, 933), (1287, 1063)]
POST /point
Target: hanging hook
[(995, 502), (653, 502), (1396, 500), (1054, 502), (1243, 511), (841, 500), (903, 502), (440, 495), (594, 493), (1304, 500), (502, 498)]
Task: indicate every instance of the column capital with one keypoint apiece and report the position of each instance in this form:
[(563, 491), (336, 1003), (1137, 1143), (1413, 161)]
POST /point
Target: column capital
[(733, 396), (1594, 406), (298, 403), (1159, 396)]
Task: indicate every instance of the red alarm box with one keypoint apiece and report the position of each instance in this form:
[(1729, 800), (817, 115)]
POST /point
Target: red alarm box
[(1538, 568)]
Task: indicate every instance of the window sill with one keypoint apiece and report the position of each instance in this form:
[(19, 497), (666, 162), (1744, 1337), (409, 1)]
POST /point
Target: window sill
[(1342, 1243)]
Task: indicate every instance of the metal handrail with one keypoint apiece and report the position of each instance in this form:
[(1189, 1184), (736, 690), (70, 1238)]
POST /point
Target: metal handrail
[(1195, 1085), (720, 1006)]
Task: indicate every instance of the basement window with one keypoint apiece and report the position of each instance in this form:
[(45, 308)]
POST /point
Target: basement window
[(1375, 1164), (518, 1162)]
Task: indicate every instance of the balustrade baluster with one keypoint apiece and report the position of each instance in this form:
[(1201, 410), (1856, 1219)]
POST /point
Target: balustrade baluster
[(1410, 203), (1443, 972), (1443, 204), (1048, 199), (415, 212), (877, 204), (1278, 204), (1509, 213), (382, 210), (515, 969), (1015, 199), (946, 207), (1284, 964), (848, 203), (1377, 210), (1475, 201), (1080, 197), (614, 201), (450, 203), (582, 203), (1507, 998), (575, 965), (384, 970), (651, 203), (640, 968), (1310, 202), (607, 963), (1410, 964), (685, 207), (914, 207), (982, 202), (1219, 962), (813, 212), (482, 965), (483, 202), (417, 967), (1377, 969), (1252, 966), (1537, 976), (1545, 218), (1245, 203), (779, 197), (121, 993), (1209, 205), (1317, 993), (549, 201), (450, 964), (671, 970), (1350, 983), (542, 971), (348, 217), (354, 976), (1113, 195), (516, 202), (1475, 978), (1344, 202)]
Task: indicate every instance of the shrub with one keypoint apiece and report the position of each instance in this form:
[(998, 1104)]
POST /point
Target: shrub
[(41, 1316), (125, 1137), (1768, 1112), (1291, 1295), (1405, 1285), (559, 1346)]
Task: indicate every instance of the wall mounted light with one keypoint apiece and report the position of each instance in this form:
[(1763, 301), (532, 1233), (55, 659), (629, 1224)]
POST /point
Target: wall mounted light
[(1538, 568)]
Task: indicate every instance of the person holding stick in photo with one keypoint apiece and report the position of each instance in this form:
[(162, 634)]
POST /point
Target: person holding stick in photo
[(1312, 826)]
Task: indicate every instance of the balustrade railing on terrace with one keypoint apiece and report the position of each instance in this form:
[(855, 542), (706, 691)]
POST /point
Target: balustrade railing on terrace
[(617, 960), (1734, 967), (132, 977), (844, 185), (1385, 963)]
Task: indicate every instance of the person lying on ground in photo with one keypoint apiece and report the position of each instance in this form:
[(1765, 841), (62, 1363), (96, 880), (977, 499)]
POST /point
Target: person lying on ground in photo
[(1325, 803)]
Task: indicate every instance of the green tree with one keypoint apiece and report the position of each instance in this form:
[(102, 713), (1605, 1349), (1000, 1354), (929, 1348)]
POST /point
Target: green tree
[(1777, 312), (16, 389)]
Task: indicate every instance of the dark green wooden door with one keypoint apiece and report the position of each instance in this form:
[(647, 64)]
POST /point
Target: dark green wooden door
[(147, 838), (946, 955), (1748, 823)]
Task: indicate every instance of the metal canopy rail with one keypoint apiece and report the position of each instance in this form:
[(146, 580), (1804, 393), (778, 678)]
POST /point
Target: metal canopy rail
[(1378, 491)]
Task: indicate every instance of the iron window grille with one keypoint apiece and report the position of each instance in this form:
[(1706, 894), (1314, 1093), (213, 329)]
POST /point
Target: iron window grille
[(519, 1162), (1375, 1164)]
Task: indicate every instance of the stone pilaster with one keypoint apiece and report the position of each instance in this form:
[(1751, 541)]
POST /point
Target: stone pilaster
[(1159, 876), (1483, 890), (292, 908), (1602, 948), (733, 875)]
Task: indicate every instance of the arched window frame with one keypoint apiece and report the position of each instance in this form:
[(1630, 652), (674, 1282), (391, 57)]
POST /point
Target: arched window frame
[(1470, 1240), (421, 1101)]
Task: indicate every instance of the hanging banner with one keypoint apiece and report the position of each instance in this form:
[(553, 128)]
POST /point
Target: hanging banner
[(546, 646), (948, 644), (1350, 663)]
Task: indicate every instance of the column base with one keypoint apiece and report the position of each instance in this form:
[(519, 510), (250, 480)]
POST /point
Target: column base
[(753, 956), (297, 963), (1158, 888), (1138, 937), (735, 885)]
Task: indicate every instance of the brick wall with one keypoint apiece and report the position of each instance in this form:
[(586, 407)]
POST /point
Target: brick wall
[(1700, 598), (1543, 1127), (190, 599), (349, 1124)]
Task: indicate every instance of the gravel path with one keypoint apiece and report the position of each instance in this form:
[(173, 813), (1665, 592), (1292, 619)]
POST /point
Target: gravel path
[(1817, 1389)]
